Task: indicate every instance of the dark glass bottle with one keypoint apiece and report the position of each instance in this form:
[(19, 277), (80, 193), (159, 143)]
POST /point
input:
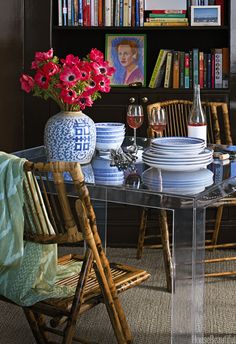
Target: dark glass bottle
[(197, 122)]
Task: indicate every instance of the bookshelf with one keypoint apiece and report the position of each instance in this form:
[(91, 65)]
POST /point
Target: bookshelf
[(80, 39)]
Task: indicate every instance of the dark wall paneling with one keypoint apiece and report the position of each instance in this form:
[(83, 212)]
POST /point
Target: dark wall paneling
[(11, 62), (37, 38)]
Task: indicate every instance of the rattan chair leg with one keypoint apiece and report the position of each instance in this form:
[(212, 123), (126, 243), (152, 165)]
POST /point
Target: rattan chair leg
[(166, 249), (35, 324), (215, 234), (142, 231)]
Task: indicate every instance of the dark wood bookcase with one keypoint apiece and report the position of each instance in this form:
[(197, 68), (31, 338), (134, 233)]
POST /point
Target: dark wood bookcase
[(42, 32), (112, 106)]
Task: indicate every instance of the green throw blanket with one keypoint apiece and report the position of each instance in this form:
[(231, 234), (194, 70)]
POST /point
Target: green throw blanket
[(28, 271)]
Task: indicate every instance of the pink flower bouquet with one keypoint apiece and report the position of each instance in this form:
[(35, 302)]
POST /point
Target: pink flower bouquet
[(71, 82)]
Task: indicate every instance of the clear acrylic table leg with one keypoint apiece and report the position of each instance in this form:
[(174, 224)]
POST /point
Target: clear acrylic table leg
[(188, 282)]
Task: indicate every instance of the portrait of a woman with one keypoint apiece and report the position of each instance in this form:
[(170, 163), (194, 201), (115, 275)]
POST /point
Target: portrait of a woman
[(127, 55)]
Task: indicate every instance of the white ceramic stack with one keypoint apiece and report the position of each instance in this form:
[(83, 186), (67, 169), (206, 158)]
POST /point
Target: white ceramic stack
[(105, 174), (186, 183), (178, 154), (109, 135)]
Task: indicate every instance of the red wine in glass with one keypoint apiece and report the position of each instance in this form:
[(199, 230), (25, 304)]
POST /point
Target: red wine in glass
[(157, 120), (135, 119)]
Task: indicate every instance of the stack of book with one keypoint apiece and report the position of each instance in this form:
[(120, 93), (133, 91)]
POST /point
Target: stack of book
[(166, 18), (183, 69), (101, 13)]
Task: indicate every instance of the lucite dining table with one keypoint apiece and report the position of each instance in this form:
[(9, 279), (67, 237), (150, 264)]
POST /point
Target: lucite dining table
[(188, 233)]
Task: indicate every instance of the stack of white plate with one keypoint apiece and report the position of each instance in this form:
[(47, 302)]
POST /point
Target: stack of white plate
[(186, 183), (109, 135), (105, 174), (178, 154)]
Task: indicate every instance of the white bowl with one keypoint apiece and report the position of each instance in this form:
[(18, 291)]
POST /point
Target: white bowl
[(105, 145)]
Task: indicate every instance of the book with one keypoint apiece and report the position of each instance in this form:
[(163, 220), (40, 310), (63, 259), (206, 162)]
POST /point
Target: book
[(86, 13), (218, 68), (176, 69), (100, 11), (201, 69), (190, 69), (205, 71), (156, 71), (209, 70), (141, 12), (212, 69), (165, 5), (165, 24), (181, 69), (221, 3), (108, 15), (186, 70), (137, 13), (225, 67), (195, 66), (69, 12), (169, 11), (167, 15), (80, 12), (125, 12), (64, 12), (76, 8), (167, 79), (167, 20), (60, 19)]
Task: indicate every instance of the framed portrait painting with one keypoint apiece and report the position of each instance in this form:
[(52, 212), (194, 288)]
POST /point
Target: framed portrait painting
[(127, 53)]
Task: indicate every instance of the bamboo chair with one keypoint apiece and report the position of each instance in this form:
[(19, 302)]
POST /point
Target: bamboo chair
[(73, 220), (218, 131)]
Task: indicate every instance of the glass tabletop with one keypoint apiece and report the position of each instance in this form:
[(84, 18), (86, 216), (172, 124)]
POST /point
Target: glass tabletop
[(156, 189)]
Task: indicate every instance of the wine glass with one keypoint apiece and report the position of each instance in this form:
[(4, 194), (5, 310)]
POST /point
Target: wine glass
[(157, 120), (135, 119)]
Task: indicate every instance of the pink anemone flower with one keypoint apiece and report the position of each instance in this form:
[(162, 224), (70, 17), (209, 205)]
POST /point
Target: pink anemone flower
[(84, 100), (68, 96), (70, 60), (43, 56), (96, 55), (103, 83), (50, 69), (70, 75), (41, 79), (27, 83)]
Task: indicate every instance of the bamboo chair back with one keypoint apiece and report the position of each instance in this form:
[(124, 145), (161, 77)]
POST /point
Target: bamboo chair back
[(52, 216), (218, 123)]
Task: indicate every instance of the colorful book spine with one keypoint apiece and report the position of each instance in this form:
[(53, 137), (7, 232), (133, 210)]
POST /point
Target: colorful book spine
[(212, 69), (76, 9), (181, 69), (205, 71), (186, 70), (69, 12), (137, 13), (176, 69), (86, 13), (121, 16), (159, 62), (141, 12), (100, 12), (60, 17), (107, 16), (95, 12), (168, 20), (165, 24), (218, 68), (190, 69), (225, 67), (209, 61), (195, 66), (125, 13), (129, 12), (168, 11), (153, 15), (80, 12), (167, 80), (201, 69), (64, 12), (92, 13)]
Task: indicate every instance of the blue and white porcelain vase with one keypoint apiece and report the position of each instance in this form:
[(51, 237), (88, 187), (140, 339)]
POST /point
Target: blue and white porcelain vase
[(70, 136)]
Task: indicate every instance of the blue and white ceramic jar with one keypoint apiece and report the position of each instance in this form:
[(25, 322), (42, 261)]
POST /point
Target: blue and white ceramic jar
[(70, 136)]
